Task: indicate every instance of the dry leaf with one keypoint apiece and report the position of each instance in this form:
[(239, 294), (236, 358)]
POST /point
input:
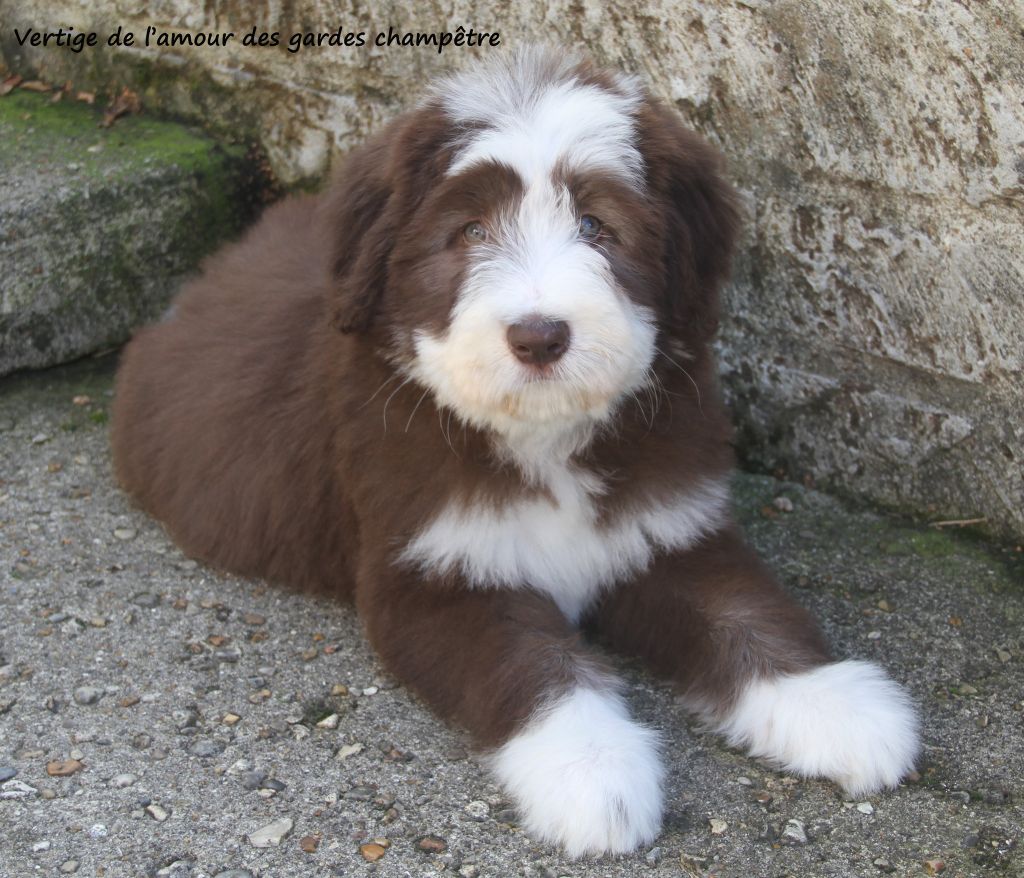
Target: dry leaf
[(126, 102), (10, 84)]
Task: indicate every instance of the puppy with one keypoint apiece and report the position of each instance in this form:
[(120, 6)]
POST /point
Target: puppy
[(470, 389)]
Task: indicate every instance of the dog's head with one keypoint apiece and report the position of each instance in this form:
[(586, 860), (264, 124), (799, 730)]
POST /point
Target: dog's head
[(527, 241)]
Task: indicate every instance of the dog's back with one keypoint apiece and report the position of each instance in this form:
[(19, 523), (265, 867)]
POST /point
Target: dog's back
[(216, 424)]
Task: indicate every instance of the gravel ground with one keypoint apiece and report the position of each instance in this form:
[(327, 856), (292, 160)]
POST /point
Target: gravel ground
[(157, 718)]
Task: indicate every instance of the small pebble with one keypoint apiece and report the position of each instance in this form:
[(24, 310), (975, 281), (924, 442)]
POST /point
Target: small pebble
[(125, 533), (718, 826), (177, 869), (63, 768), (653, 856), (361, 793), (16, 789), (40, 846), (371, 851), (744, 781), (874, 635), (87, 694), (371, 690), (795, 832), (97, 830), (39, 439), (432, 844), (328, 722), (865, 808), (783, 504), (348, 750), (1003, 656), (230, 719), (252, 780), (120, 781), (933, 867), (234, 873), (206, 748), (69, 867), (146, 599), (478, 810), (272, 834), (309, 843), (7, 772), (157, 813), (339, 689)]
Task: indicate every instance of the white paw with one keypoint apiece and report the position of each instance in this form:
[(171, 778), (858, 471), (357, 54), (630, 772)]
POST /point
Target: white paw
[(846, 721), (584, 775)]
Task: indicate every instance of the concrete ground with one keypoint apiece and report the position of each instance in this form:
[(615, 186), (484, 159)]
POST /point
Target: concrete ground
[(154, 716)]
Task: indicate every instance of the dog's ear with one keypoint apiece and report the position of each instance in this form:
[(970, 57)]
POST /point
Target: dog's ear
[(702, 219), (377, 189)]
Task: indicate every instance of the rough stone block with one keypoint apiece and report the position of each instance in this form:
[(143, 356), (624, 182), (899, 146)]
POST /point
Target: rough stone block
[(99, 225)]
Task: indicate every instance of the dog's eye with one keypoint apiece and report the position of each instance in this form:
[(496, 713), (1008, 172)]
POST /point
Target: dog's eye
[(474, 233), (590, 227)]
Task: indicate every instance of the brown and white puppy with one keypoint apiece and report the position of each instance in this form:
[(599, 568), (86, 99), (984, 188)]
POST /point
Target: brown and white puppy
[(470, 388)]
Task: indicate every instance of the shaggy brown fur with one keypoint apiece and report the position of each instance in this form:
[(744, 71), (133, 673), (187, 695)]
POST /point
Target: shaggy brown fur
[(268, 427)]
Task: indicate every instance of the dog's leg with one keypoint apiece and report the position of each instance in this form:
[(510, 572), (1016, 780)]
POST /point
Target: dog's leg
[(506, 665), (753, 665)]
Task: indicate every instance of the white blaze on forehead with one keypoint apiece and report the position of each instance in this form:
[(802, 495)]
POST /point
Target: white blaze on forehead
[(535, 113)]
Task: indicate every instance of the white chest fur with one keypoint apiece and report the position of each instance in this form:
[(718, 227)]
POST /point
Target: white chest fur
[(556, 544)]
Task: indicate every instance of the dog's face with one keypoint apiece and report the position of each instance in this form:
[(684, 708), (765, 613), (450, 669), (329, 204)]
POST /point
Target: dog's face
[(536, 233)]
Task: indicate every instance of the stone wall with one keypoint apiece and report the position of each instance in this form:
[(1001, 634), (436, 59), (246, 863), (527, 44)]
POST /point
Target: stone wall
[(875, 331)]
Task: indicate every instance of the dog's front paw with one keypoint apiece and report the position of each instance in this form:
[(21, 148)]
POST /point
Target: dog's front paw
[(584, 775), (846, 721)]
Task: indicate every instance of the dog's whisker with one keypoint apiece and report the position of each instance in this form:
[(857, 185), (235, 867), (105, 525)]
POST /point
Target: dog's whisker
[(696, 387), (385, 412), (379, 389), (642, 410), (415, 408), (446, 431)]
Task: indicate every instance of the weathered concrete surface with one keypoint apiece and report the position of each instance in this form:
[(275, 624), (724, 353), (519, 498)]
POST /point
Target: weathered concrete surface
[(118, 652), (98, 226), (874, 334)]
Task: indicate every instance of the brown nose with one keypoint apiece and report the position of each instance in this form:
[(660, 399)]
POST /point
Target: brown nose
[(537, 341)]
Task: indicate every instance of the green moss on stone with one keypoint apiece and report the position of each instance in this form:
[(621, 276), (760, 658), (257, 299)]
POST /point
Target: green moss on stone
[(68, 133)]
